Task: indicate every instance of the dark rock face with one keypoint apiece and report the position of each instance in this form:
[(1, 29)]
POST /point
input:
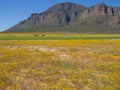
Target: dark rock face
[(117, 20), (70, 15), (110, 11), (64, 12)]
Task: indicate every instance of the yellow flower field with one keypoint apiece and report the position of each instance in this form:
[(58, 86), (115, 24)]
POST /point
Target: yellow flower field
[(60, 64)]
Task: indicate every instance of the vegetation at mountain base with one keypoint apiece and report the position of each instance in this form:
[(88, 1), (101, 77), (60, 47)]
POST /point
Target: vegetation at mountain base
[(56, 36)]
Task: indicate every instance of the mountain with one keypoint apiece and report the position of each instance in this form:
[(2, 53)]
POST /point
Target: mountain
[(70, 17)]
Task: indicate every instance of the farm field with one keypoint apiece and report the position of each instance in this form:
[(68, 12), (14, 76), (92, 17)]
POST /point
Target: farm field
[(56, 36), (60, 64)]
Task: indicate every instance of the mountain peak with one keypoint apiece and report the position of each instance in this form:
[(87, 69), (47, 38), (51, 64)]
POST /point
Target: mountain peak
[(67, 3), (66, 6), (99, 9), (102, 4)]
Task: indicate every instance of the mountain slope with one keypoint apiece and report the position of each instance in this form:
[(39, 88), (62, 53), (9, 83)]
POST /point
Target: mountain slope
[(70, 17)]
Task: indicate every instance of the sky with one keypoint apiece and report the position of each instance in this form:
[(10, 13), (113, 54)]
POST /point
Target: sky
[(14, 11)]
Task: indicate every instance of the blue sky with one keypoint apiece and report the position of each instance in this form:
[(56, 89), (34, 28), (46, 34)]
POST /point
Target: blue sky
[(14, 11)]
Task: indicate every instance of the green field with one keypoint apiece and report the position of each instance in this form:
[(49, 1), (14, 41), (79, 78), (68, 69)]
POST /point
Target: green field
[(32, 36)]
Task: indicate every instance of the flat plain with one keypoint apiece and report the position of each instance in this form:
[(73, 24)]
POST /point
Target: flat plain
[(59, 61), (56, 36)]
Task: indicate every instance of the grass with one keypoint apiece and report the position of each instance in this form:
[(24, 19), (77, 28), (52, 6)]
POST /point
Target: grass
[(29, 36), (59, 63)]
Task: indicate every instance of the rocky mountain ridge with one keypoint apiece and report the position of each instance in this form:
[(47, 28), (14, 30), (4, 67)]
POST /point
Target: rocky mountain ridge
[(70, 17)]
